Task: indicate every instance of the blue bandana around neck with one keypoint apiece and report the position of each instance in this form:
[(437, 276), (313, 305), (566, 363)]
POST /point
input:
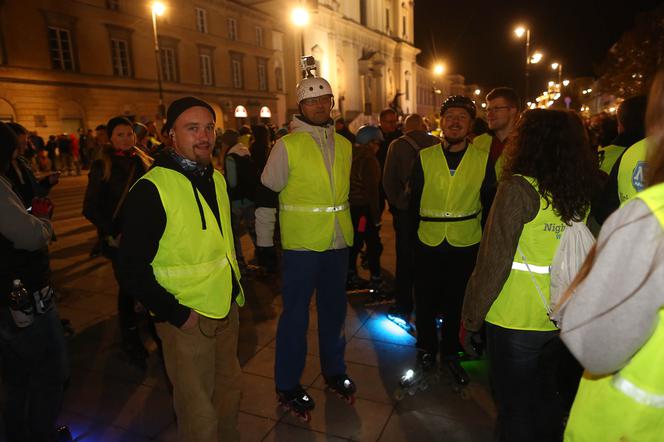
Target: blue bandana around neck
[(186, 164)]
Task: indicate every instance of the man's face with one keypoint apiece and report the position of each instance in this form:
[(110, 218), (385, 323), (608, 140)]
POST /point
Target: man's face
[(389, 123), (500, 114), (317, 109), (456, 124), (123, 137), (193, 135)]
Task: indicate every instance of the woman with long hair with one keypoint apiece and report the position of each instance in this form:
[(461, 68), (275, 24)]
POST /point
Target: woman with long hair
[(548, 181), (120, 165), (613, 314)]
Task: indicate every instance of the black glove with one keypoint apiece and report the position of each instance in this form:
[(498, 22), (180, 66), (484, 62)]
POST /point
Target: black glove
[(471, 342)]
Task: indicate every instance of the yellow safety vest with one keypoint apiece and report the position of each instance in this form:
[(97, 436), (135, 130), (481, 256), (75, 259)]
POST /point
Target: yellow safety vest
[(627, 405), (309, 206), (484, 142), (608, 156), (519, 305), (631, 172), (196, 265), (446, 197)]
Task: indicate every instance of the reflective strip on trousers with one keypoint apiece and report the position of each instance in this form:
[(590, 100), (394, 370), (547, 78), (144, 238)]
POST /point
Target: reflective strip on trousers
[(641, 396), (542, 270), (314, 209)]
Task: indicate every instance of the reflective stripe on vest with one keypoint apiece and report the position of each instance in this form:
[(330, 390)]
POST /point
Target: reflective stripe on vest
[(523, 267), (636, 393), (195, 265), (608, 156), (520, 305), (447, 197), (313, 205), (314, 209)]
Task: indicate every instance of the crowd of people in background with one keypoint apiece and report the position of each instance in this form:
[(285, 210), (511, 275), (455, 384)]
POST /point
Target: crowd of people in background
[(477, 207)]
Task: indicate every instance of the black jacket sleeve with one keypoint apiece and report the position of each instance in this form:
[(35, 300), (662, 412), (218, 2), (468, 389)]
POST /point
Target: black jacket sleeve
[(416, 188), (607, 200), (143, 224), (92, 202), (488, 190)]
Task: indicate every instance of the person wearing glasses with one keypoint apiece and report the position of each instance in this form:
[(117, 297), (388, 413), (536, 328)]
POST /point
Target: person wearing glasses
[(502, 112), (452, 187), (310, 168)]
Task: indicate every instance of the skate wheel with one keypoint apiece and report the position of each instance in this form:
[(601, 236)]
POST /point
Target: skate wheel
[(305, 417), (350, 400), (424, 385), (465, 394), (399, 394)]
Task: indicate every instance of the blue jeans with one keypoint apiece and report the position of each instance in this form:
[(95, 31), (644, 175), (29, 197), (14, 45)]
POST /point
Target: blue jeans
[(304, 272), (35, 368)]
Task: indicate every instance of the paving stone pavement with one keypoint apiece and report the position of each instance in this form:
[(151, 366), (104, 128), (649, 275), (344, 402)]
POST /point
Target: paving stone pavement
[(108, 399)]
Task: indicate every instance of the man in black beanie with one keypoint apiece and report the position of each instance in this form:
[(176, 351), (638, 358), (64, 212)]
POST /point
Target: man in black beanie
[(177, 256)]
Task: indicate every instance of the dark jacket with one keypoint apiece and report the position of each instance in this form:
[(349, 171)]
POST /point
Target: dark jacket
[(365, 181), (102, 196), (399, 164), (26, 185), (143, 223)]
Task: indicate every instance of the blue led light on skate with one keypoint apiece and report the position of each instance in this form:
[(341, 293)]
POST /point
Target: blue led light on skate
[(346, 383), (409, 374), (390, 327)]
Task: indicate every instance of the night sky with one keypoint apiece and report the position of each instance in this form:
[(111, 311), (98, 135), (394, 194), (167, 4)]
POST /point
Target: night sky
[(476, 38)]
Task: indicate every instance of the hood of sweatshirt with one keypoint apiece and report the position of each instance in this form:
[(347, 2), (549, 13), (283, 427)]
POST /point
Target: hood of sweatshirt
[(240, 150)]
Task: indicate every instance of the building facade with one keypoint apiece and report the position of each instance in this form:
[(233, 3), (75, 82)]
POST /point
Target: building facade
[(364, 48), (75, 63)]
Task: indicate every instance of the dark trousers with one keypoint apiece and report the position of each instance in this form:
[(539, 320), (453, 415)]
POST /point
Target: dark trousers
[(440, 283), (304, 272), (126, 301), (35, 369), (524, 372), (405, 266), (370, 236)]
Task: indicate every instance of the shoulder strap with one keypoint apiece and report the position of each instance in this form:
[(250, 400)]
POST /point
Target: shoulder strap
[(411, 141), (130, 178)]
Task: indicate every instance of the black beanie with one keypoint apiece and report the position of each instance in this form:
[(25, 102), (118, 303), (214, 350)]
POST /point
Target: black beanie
[(182, 104), (115, 122)]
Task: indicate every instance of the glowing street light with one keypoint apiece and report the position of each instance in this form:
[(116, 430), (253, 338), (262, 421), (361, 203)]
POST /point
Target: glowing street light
[(300, 18), (158, 9), (519, 31), (478, 91), (438, 70), (536, 58)]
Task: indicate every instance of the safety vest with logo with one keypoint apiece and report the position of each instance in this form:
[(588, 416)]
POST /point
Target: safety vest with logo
[(450, 206), (608, 156), (519, 306), (484, 142), (632, 171), (627, 405), (311, 204), (195, 264)]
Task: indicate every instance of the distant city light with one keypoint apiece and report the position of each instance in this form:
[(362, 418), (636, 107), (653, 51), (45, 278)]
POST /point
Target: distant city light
[(519, 31)]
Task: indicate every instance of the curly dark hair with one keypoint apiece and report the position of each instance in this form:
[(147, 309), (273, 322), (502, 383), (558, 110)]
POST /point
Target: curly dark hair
[(552, 147)]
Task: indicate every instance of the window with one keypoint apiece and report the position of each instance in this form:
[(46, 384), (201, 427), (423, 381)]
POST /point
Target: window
[(232, 29), (59, 41), (236, 70), (113, 5), (387, 20), (169, 66), (201, 20), (120, 58), (206, 69), (259, 36), (262, 74), (279, 77), (403, 24), (407, 89), (363, 12)]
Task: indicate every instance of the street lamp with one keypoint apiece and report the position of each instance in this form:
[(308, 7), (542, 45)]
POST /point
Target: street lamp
[(558, 67), (521, 31), (300, 18), (478, 92), (158, 8), (438, 70)]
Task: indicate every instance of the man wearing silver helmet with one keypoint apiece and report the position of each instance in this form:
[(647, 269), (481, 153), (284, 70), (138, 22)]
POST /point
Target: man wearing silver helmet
[(310, 168)]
